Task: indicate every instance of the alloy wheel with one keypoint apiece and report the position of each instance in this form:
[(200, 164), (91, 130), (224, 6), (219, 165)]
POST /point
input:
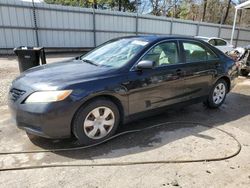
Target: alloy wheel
[(219, 93)]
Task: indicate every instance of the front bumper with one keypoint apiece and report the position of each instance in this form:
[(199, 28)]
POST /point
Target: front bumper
[(50, 120)]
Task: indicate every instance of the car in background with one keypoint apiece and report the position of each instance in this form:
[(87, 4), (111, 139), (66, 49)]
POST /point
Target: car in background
[(219, 43), (90, 96)]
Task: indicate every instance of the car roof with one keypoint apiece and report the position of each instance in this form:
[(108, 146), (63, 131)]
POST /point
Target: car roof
[(152, 38)]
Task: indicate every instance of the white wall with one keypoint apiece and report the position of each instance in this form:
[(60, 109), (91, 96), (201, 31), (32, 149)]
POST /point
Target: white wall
[(74, 27)]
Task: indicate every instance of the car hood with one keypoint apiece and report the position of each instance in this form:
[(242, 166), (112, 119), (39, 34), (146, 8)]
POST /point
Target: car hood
[(61, 74)]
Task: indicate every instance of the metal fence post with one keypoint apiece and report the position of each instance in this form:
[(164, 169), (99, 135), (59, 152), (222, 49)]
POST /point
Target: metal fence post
[(171, 26), (136, 24), (219, 31), (94, 27), (35, 23), (197, 28), (237, 37)]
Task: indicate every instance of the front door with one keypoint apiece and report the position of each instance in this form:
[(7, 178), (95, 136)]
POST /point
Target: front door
[(161, 86)]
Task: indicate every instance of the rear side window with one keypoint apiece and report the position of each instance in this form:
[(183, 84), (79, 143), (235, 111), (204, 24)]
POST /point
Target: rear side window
[(195, 52), (220, 42)]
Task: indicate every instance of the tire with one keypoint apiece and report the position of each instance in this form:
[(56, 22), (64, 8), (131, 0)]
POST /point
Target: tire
[(244, 72), (217, 94), (96, 121)]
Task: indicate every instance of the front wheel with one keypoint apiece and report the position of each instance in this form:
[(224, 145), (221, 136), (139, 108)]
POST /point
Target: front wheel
[(96, 121), (217, 94)]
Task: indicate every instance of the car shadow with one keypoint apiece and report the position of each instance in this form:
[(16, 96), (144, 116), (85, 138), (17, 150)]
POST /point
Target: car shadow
[(234, 108)]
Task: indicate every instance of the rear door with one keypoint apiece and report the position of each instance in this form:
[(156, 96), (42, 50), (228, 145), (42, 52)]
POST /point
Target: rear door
[(200, 68)]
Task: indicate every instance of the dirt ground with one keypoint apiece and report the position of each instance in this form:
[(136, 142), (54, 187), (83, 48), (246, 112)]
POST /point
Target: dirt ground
[(175, 141)]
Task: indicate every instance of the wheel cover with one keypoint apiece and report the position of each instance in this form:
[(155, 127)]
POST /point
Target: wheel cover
[(219, 93), (99, 122)]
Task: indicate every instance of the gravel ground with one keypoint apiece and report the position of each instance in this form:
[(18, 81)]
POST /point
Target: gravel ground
[(9, 71)]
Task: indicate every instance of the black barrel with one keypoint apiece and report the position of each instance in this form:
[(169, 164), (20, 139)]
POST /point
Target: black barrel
[(29, 57)]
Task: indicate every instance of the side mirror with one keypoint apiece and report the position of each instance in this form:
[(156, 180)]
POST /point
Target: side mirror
[(145, 64)]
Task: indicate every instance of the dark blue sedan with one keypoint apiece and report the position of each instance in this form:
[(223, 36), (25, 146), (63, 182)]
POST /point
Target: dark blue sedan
[(90, 96)]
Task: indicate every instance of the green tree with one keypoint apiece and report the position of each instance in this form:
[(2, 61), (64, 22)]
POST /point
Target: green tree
[(213, 11)]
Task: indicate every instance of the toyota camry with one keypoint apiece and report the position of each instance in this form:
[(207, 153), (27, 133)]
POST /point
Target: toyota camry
[(125, 78)]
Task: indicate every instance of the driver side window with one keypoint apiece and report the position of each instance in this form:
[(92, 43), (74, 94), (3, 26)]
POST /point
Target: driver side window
[(165, 53)]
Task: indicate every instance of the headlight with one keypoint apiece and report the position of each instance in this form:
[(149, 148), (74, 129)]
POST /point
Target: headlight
[(48, 96)]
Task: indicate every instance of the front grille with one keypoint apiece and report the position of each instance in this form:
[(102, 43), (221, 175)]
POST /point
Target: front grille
[(15, 94)]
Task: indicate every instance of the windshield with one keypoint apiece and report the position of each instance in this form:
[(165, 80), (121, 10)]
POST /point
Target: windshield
[(116, 53)]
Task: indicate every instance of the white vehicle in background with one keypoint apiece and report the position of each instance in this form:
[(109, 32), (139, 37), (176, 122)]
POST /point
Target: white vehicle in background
[(219, 43)]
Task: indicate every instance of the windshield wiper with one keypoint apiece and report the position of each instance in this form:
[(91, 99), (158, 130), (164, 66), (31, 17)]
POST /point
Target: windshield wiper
[(90, 62)]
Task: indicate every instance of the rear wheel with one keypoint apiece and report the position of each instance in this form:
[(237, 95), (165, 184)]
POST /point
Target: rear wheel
[(96, 121), (217, 94)]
